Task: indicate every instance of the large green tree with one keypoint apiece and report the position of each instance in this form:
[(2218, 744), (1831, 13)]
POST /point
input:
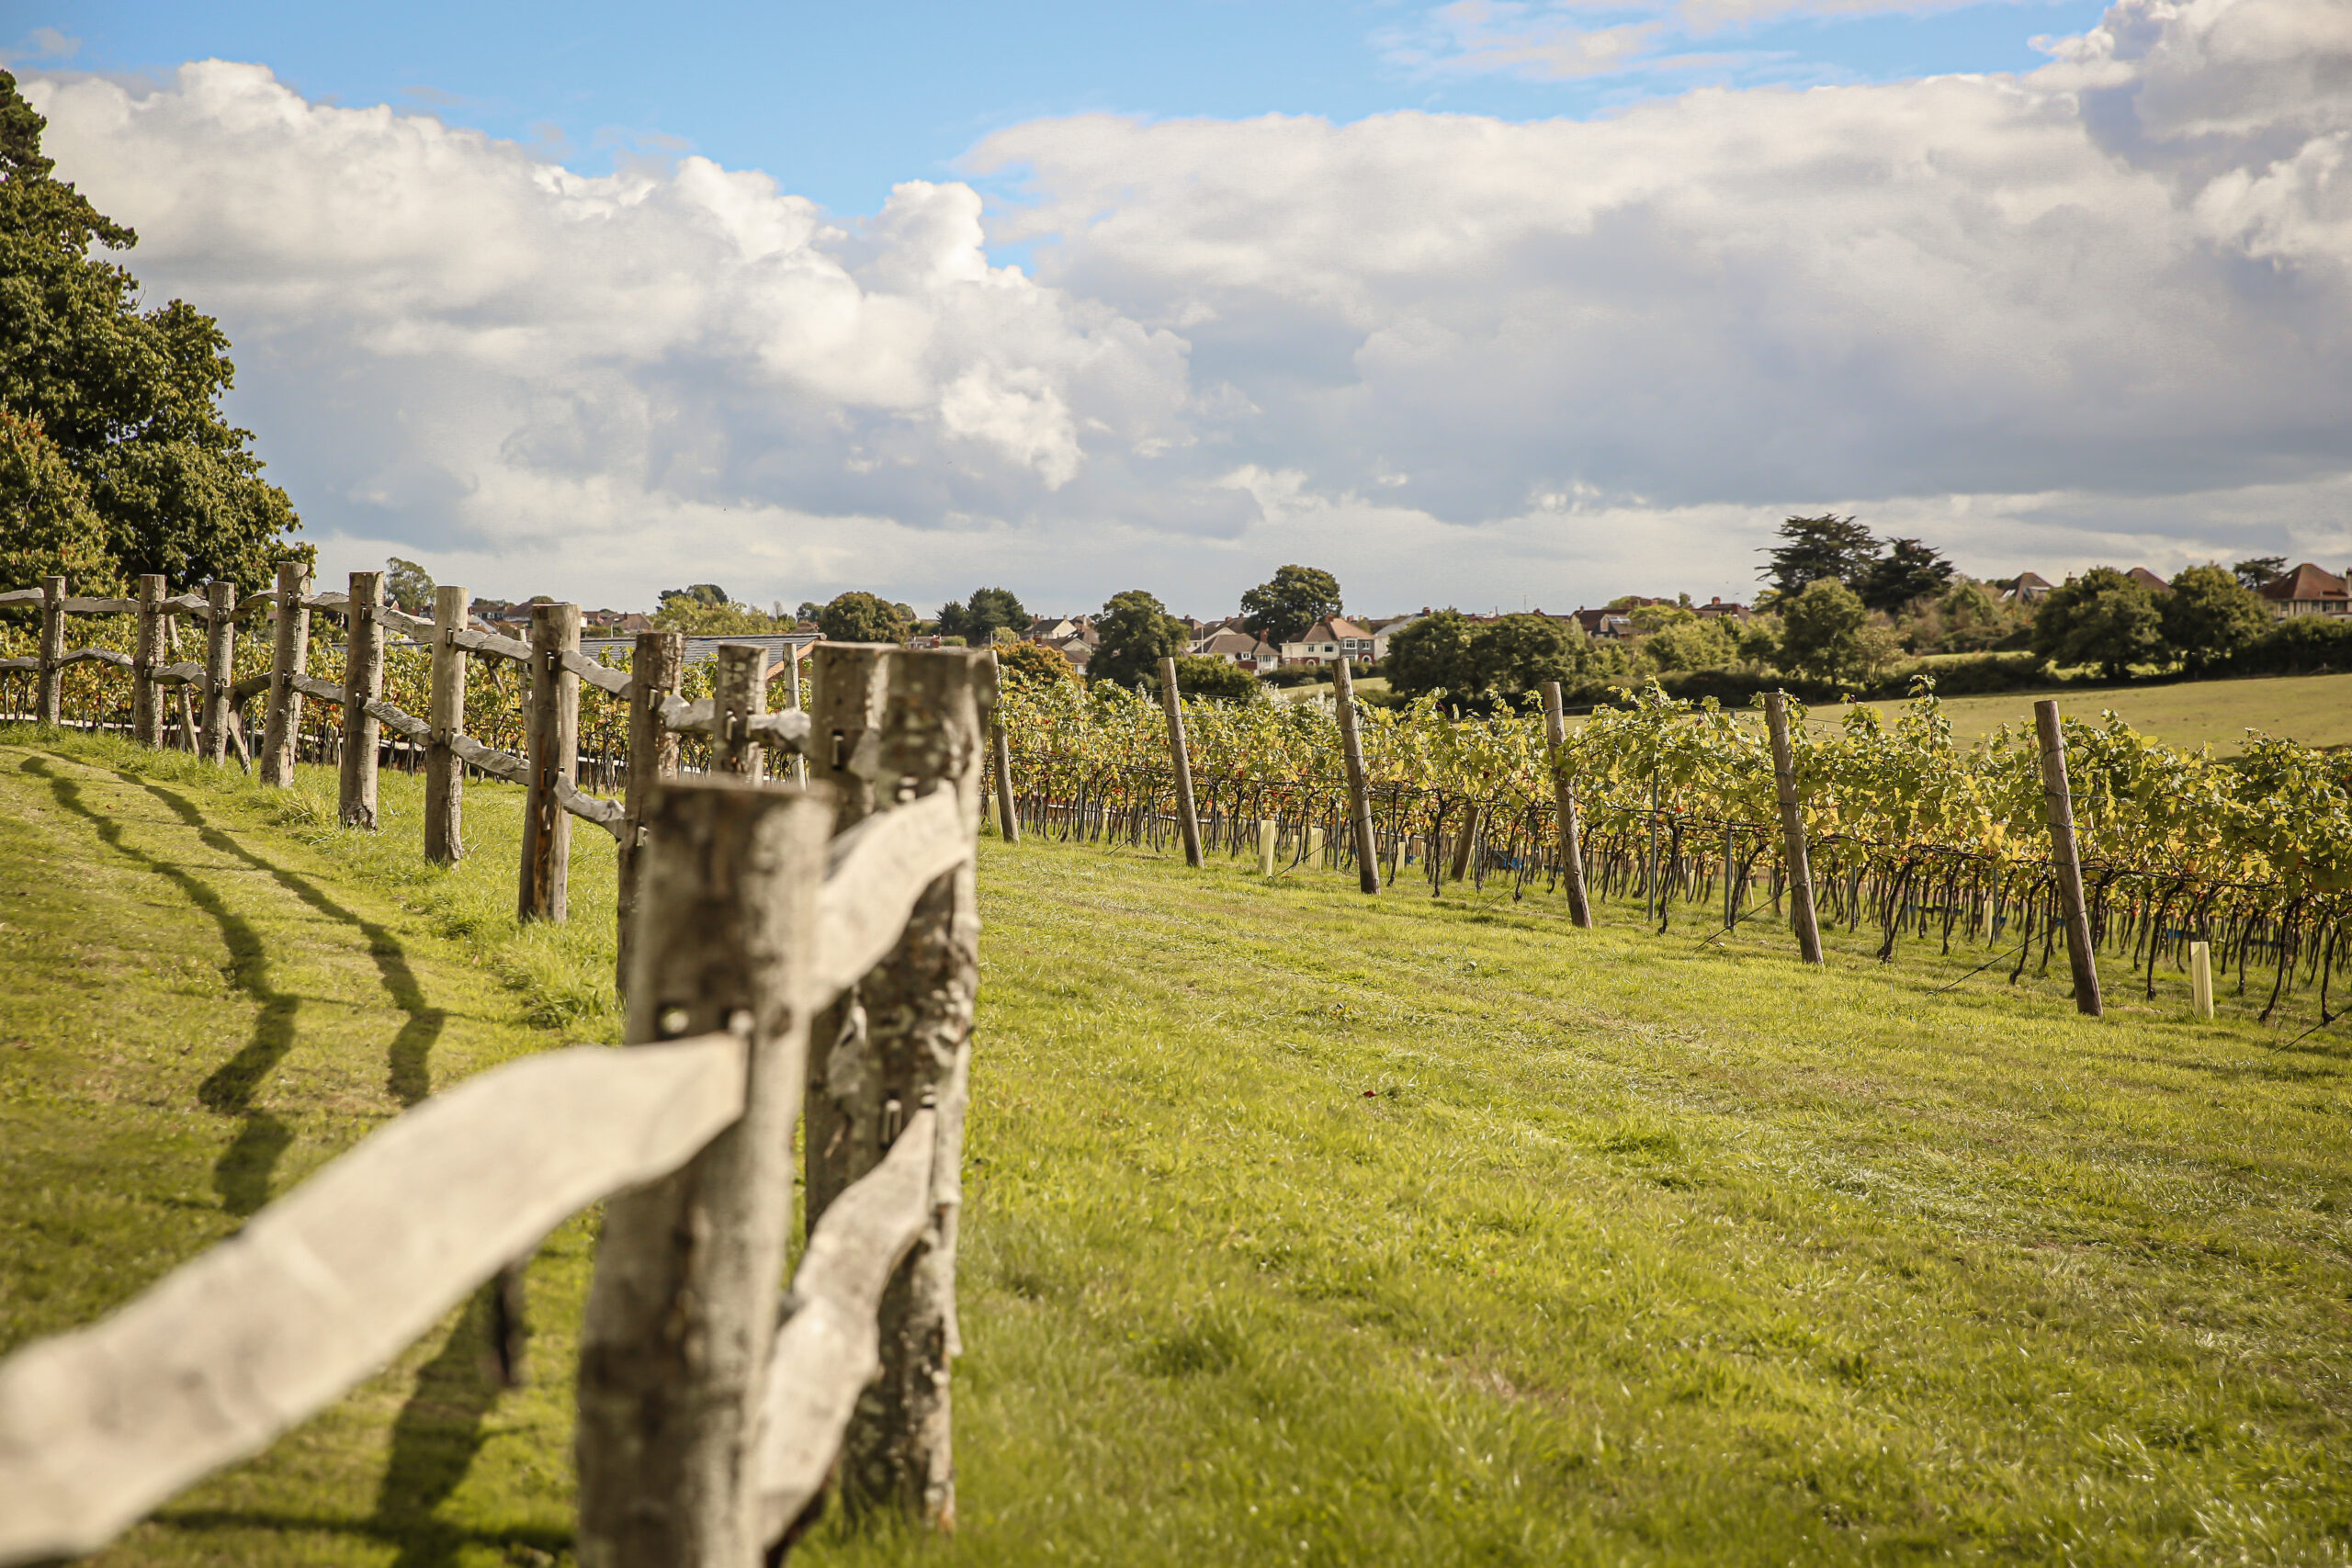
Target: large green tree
[(1137, 632), (862, 617), (1479, 660), (1813, 548), (1822, 633), (2209, 616), (46, 525), (1908, 571), (1434, 653), (2101, 617), (1298, 596), (988, 612), (129, 398)]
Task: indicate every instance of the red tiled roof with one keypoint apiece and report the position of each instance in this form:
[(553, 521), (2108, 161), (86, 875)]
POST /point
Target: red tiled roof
[(2306, 582)]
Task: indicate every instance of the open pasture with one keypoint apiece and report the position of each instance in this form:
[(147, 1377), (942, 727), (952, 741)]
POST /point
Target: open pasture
[(1302, 1228)]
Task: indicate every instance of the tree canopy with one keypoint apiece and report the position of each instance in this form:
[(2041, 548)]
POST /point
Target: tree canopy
[(1282, 610), (862, 617), (1908, 571), (980, 617), (1199, 677), (408, 586), (1137, 632), (2211, 615), (1479, 660), (1812, 548), (2254, 573), (2101, 617), (129, 399), (1034, 661)]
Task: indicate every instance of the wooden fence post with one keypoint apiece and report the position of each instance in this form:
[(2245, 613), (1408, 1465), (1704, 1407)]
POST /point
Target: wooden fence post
[(1465, 842), (2200, 977), (682, 1310), (220, 666), (792, 655), (1731, 866), (1008, 817), (2060, 804), (1359, 799), (553, 739), (445, 772), (48, 700), (1187, 820), (290, 655), (146, 653), (654, 669), (899, 1452), (362, 682), (1784, 780), (1269, 832), (738, 690), (1563, 803)]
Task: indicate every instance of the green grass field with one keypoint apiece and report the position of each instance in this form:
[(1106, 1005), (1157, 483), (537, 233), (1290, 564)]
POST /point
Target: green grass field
[(1302, 1228), (2313, 709)]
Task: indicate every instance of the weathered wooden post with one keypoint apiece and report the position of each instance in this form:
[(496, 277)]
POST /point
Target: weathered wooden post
[(1731, 864), (2200, 977), (146, 654), (917, 730), (1343, 691), (1187, 820), (553, 742), (655, 667), (1465, 842), (1784, 780), (792, 675), (445, 771), (1564, 804), (220, 665), (739, 694), (2060, 804), (1008, 816), (49, 700), (290, 655), (362, 682), (683, 1307)]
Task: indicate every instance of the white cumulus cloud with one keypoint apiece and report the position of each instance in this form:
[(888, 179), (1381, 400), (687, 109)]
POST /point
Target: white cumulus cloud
[(2101, 311)]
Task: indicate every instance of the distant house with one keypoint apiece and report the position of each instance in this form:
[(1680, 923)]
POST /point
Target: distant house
[(1251, 653), (2306, 590), (1610, 625), (2148, 579), (1328, 640), (2026, 588), (1716, 608)]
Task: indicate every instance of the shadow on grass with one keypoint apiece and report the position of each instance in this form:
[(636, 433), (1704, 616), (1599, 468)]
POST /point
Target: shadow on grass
[(408, 1081), (241, 1175), (437, 1436)]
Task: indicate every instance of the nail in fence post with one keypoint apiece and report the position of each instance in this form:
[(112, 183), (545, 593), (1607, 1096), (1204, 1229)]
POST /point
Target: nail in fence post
[(220, 666), (1173, 701), (1008, 816), (362, 681), (2200, 977), (49, 703), (2060, 804), (739, 690), (444, 773), (146, 652), (290, 655), (654, 669), (553, 739), (1563, 802), (1343, 691), (1800, 864), (682, 1310)]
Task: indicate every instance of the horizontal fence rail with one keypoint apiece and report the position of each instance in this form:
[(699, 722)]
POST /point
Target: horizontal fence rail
[(325, 1285)]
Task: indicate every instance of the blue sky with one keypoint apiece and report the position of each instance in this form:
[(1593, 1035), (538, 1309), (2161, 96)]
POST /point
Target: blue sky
[(1070, 315), (840, 102)]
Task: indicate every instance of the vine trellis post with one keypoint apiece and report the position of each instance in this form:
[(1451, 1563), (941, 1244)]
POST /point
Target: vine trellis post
[(445, 771), (1187, 821), (2058, 802), (363, 683), (1563, 803), (1343, 691), (289, 657), (1799, 865)]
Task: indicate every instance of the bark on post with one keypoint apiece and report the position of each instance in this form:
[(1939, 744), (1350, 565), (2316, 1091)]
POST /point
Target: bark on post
[(1359, 798), (1464, 842), (1563, 803), (362, 682), (553, 739), (290, 655), (1008, 814), (146, 654), (220, 666), (1784, 779), (739, 694), (683, 1307), (48, 700), (918, 1033), (2060, 804), (1186, 819), (655, 668), (445, 772)]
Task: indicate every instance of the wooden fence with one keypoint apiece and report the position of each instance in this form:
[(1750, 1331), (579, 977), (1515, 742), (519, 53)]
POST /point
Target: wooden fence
[(813, 943)]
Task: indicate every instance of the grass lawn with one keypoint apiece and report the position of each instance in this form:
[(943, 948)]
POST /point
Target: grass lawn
[(1302, 1228), (2313, 709)]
